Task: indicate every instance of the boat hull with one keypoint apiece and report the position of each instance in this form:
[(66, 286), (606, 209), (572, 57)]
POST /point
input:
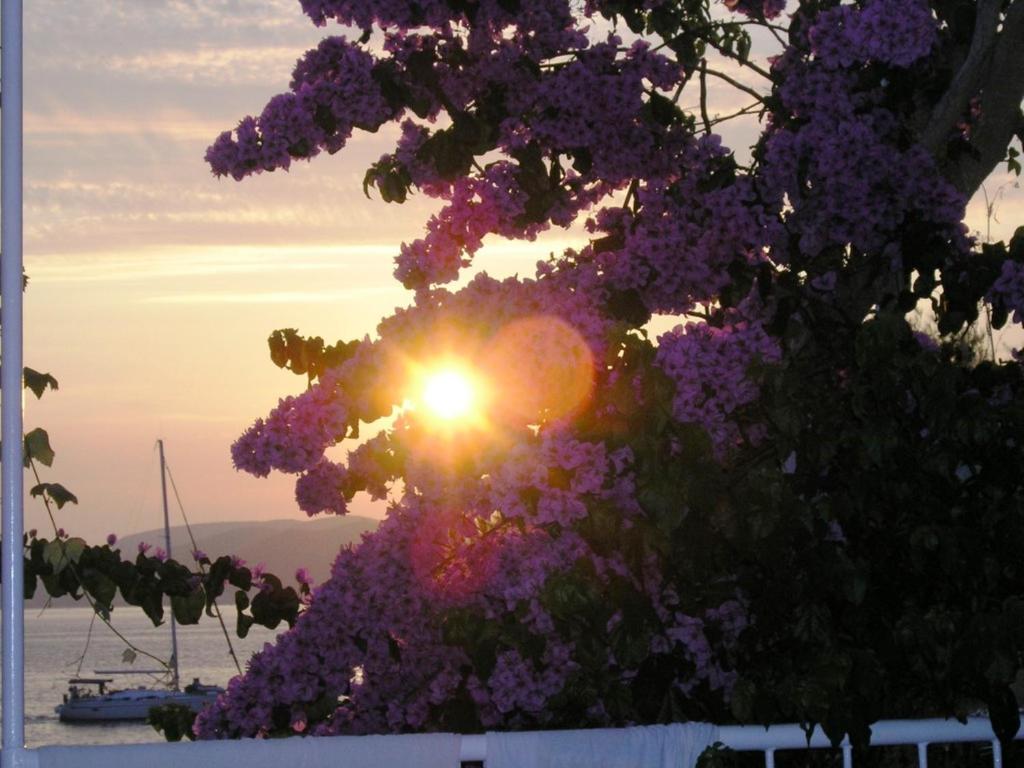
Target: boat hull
[(128, 705)]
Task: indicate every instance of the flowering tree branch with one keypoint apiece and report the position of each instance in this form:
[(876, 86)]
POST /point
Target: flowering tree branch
[(703, 525)]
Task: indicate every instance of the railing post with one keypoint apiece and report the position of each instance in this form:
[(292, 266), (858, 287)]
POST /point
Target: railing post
[(11, 472), (922, 755), (997, 754)]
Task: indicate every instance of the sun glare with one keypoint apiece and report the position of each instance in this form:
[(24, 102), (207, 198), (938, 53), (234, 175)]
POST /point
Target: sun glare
[(449, 394)]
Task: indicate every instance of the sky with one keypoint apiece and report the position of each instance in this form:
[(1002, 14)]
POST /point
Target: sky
[(153, 285)]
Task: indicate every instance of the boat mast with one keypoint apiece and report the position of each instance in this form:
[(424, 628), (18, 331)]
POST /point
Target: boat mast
[(167, 545)]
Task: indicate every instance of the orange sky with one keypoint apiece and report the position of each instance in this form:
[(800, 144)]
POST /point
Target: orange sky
[(153, 286)]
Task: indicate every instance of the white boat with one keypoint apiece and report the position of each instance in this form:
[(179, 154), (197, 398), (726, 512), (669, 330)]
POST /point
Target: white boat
[(89, 699)]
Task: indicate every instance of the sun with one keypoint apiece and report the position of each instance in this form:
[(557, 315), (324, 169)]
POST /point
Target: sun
[(449, 394)]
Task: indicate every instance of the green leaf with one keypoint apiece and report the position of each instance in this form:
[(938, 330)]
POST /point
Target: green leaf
[(101, 587), (245, 621), (60, 553), (56, 492), (272, 606), (37, 447), (175, 579), (147, 596), (174, 721), (742, 702), (1004, 713), (38, 382), (188, 609), (743, 47), (240, 577)]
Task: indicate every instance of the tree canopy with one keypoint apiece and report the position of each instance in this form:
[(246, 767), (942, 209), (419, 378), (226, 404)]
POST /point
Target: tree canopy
[(794, 506)]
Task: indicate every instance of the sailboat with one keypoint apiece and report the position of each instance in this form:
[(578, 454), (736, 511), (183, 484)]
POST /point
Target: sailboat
[(89, 699)]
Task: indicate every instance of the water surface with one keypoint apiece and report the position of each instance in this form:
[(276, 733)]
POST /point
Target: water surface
[(56, 650)]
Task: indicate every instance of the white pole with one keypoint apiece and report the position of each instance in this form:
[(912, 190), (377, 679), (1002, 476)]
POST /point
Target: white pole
[(11, 477), (175, 681)]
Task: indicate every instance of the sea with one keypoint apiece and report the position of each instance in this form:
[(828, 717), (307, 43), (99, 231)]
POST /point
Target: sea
[(59, 645)]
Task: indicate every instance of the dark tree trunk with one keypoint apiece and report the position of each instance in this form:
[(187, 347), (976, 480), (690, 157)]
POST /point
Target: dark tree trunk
[(993, 71)]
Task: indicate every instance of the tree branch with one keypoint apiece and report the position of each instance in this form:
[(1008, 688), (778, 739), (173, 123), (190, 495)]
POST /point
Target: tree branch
[(994, 71), (967, 80), (704, 96), (1001, 96), (731, 81)]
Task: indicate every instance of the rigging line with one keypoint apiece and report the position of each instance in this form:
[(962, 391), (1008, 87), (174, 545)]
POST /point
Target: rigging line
[(85, 650), (70, 564), (202, 568)]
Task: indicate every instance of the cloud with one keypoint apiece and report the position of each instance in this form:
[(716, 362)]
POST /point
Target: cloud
[(155, 21), (271, 297), (157, 264), (215, 66), (64, 125)]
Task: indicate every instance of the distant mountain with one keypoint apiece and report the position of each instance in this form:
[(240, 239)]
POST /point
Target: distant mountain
[(281, 545)]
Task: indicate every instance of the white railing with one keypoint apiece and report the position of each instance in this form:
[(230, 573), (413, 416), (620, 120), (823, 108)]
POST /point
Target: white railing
[(885, 733), (419, 749)]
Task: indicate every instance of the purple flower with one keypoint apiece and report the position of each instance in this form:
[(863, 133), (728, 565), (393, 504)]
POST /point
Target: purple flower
[(926, 342), (321, 489), (1008, 290)]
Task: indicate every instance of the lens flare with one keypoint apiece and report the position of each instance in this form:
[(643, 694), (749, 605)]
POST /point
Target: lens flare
[(545, 368)]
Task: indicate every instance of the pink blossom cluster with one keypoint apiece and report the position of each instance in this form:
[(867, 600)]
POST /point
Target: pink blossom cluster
[(712, 369), (333, 91), (444, 547), (587, 111), (372, 636), (834, 155), (689, 633), (677, 250), (768, 9), (322, 489), (374, 464), (560, 472), (476, 208), (295, 434), (893, 32), (518, 684), (586, 115), (596, 102), (405, 15), (522, 122), (386, 13)]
